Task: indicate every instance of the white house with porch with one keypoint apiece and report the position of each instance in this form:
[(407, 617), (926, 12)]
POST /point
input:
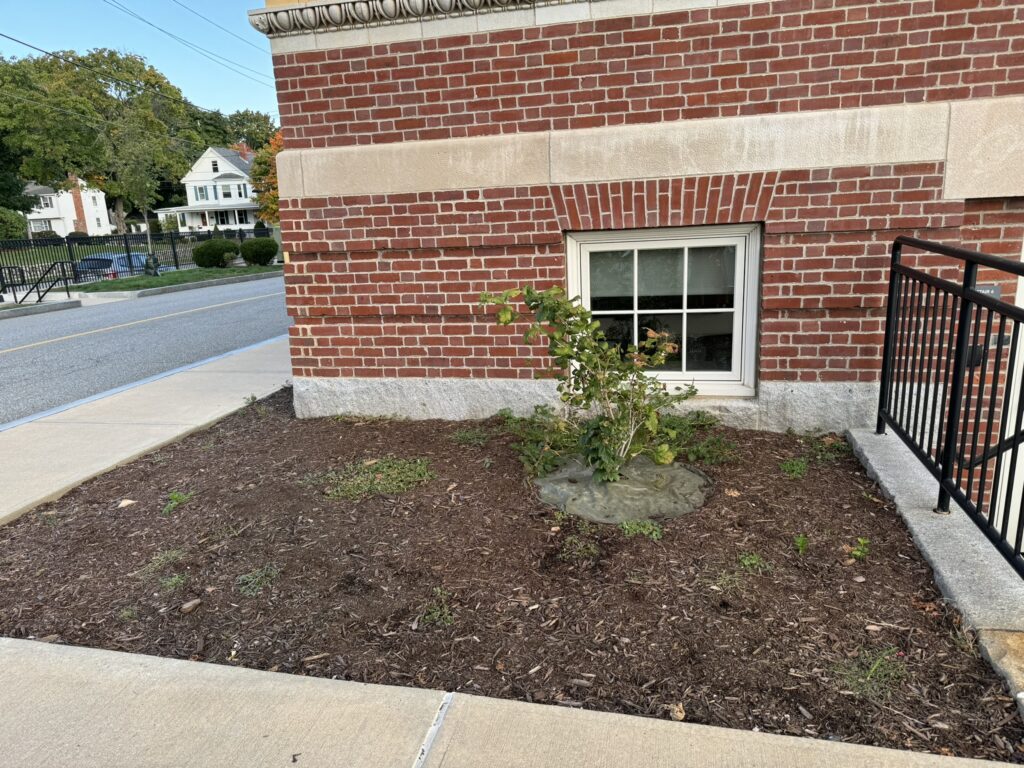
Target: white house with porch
[(219, 193)]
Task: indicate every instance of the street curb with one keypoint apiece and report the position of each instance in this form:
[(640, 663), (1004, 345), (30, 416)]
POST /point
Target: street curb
[(174, 288), (39, 309)]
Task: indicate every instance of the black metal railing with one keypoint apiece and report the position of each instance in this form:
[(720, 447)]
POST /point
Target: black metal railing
[(24, 262), (951, 385), (59, 273)]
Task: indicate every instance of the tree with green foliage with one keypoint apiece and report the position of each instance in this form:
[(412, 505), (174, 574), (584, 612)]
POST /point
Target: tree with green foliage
[(254, 129), (63, 120), (264, 179), (13, 225)]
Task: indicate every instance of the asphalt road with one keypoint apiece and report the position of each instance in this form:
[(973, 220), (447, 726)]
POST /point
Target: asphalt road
[(56, 358)]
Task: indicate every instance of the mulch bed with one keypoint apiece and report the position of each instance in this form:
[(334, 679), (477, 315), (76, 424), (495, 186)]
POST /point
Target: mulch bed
[(816, 644)]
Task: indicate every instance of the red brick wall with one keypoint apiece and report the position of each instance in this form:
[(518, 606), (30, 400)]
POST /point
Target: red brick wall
[(370, 270), (785, 56), (388, 285)]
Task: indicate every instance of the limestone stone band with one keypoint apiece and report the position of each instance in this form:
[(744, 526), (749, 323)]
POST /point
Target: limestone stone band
[(326, 17)]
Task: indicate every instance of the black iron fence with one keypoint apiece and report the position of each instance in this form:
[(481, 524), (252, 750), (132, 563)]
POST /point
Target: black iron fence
[(27, 265), (952, 383)]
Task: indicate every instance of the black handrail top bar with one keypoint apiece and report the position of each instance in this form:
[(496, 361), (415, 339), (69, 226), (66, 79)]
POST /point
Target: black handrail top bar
[(984, 259)]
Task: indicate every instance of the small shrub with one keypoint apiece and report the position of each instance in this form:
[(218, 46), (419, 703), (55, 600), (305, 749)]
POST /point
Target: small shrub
[(862, 550), (751, 562), (259, 251), (77, 235), (253, 583), (794, 469), (800, 544), (376, 477), (438, 612), (471, 436), (215, 253), (260, 229), (45, 234), (128, 614), (174, 500), (618, 404), (173, 583), (647, 528), (873, 675)]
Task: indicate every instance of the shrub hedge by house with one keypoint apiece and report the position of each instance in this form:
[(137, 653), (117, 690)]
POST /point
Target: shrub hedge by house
[(77, 235), (259, 251), (214, 253)]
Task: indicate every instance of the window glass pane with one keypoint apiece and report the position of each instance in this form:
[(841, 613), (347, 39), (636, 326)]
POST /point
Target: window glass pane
[(661, 278), (712, 277), (671, 324), (709, 341), (611, 280), (618, 329)]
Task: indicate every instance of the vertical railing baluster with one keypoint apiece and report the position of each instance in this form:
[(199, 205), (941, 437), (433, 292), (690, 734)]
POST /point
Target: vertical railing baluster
[(884, 395), (970, 279), (972, 468), (965, 408), (1003, 419)]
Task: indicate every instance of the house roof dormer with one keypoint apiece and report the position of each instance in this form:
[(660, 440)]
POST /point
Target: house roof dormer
[(219, 164)]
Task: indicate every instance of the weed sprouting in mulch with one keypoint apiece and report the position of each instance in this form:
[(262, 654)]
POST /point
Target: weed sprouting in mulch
[(374, 477), (444, 571)]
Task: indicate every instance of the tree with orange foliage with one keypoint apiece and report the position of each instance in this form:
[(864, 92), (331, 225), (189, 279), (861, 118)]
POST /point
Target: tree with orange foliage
[(264, 179)]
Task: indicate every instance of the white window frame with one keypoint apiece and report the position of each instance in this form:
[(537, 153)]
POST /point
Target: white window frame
[(741, 380), (215, 166), (225, 191), (201, 193)]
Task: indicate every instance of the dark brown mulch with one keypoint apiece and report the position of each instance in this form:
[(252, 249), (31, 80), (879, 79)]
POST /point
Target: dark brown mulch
[(649, 628)]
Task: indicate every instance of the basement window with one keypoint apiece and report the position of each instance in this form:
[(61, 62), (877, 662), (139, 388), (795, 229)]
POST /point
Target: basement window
[(698, 283)]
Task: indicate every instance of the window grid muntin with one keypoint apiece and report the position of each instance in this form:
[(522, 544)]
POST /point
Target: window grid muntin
[(738, 310)]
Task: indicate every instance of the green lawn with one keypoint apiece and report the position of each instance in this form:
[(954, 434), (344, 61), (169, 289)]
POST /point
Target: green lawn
[(170, 278)]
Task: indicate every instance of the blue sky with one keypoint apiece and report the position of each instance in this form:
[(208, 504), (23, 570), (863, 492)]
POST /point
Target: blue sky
[(81, 25)]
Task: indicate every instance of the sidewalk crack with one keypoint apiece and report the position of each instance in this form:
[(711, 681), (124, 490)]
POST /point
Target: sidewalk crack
[(432, 731)]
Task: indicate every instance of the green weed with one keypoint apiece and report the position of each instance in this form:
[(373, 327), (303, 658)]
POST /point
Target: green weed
[(376, 477), (253, 583), (873, 675), (826, 449), (473, 436), (712, 450), (800, 544), (647, 528), (794, 469), (174, 500), (438, 612), (751, 562), (545, 439), (127, 614), (862, 550), (162, 559), (173, 583)]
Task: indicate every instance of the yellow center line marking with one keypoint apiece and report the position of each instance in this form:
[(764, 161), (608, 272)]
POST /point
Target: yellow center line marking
[(137, 322)]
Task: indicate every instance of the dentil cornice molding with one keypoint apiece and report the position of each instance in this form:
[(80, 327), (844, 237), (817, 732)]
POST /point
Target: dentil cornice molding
[(349, 14)]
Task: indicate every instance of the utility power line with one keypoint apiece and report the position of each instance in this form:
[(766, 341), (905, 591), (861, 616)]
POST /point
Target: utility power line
[(214, 57), (218, 26)]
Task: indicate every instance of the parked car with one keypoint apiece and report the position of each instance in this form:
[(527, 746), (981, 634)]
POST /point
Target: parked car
[(110, 266)]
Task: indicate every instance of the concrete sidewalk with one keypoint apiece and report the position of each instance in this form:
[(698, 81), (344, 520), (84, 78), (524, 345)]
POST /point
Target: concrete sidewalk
[(46, 457), (70, 707)]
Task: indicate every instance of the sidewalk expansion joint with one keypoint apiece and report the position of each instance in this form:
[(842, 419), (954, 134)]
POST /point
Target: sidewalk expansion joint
[(433, 730)]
